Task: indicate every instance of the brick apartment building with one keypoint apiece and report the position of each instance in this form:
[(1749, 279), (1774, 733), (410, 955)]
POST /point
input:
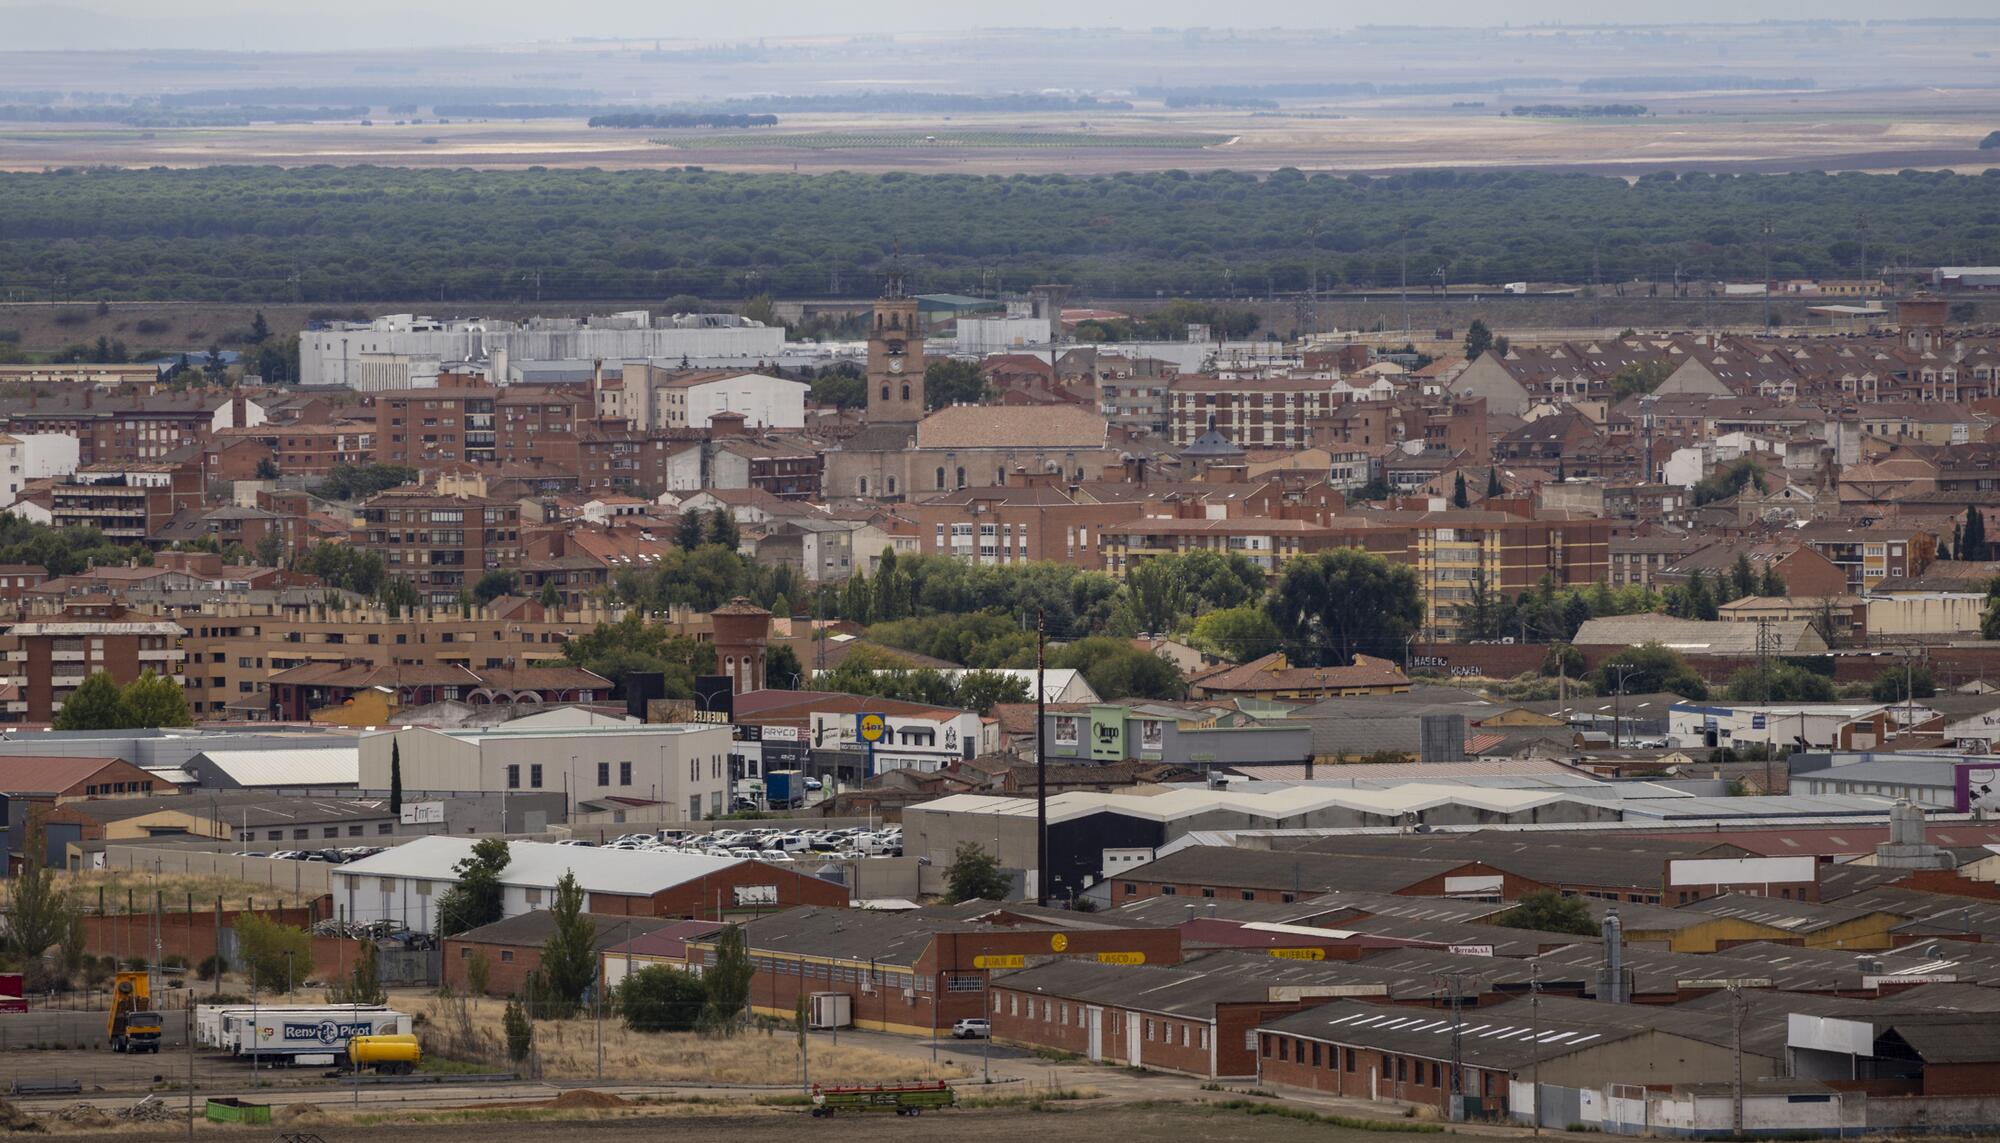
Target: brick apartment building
[(1032, 519), (442, 544), (1269, 412), (295, 449), (421, 427), (50, 656), (234, 650)]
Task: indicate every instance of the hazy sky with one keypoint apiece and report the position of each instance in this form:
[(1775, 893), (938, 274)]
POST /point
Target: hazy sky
[(309, 24)]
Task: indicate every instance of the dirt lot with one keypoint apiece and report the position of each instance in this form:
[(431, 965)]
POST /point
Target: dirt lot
[(1072, 1121)]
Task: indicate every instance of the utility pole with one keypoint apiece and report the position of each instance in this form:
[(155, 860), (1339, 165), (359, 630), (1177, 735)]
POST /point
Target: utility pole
[(1457, 1049), (1403, 255), (1535, 1036), (1736, 1006), (1041, 766), (190, 1046), (1765, 228)]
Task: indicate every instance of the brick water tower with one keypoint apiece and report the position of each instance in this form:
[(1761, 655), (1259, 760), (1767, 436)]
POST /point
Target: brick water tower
[(742, 637)]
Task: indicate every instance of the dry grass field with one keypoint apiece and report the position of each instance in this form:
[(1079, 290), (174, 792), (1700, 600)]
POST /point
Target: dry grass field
[(567, 1049)]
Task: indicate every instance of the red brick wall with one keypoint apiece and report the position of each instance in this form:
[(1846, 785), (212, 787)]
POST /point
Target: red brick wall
[(701, 898), (780, 980), (1290, 1060), (507, 966), (1962, 1079), (190, 935), (1511, 887)]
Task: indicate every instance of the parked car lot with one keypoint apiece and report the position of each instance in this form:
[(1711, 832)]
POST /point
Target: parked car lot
[(769, 843)]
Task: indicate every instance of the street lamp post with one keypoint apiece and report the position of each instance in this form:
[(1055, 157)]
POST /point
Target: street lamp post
[(1618, 702)]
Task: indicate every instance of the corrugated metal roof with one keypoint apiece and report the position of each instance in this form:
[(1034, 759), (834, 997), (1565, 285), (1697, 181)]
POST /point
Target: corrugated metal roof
[(538, 865), (317, 766)]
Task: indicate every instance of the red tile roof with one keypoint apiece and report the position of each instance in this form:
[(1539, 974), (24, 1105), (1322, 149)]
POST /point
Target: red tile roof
[(36, 774)]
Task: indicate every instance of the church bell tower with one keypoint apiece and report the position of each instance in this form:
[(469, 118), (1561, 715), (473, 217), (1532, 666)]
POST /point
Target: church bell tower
[(895, 356)]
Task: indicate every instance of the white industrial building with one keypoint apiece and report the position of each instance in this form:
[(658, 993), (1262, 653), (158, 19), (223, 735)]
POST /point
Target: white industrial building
[(683, 768), (402, 884), (402, 351)]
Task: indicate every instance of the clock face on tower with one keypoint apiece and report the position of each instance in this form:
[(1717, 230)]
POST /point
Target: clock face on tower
[(895, 365)]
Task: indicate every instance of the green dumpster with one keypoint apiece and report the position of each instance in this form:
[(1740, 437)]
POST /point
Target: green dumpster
[(237, 1111)]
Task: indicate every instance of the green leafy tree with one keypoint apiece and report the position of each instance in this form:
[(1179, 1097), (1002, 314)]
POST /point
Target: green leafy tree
[(1770, 584), (1478, 339), (892, 591), (360, 482), (1331, 606), (1742, 577), (493, 585), (1481, 616), (397, 594), (1638, 377), (1236, 634), (974, 875), (1649, 668), (520, 1032), (395, 777), (267, 469), (949, 381), (1972, 538), (39, 911), (616, 650), (727, 982), (782, 671), (1896, 682), (345, 566), (661, 999), (1547, 911), (363, 984), (1784, 682), (154, 701), (549, 597), (1116, 669), (569, 958), (260, 330), (1564, 660), (690, 533), (274, 956), (841, 386), (476, 898), (722, 530), (478, 973), (1728, 481), (96, 704), (1159, 600)]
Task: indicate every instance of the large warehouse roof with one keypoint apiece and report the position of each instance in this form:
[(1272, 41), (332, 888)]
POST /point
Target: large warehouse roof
[(538, 865)]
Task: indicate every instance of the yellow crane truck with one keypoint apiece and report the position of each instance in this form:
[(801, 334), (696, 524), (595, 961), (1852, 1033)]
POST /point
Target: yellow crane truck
[(134, 1025)]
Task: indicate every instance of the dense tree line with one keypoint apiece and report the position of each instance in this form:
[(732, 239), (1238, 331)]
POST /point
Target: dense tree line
[(1580, 110), (356, 234)]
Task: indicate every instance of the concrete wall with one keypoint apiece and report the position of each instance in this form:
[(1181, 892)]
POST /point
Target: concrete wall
[(301, 878)]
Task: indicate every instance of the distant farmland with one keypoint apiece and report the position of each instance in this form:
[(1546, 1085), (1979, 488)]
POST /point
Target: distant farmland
[(1014, 140)]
